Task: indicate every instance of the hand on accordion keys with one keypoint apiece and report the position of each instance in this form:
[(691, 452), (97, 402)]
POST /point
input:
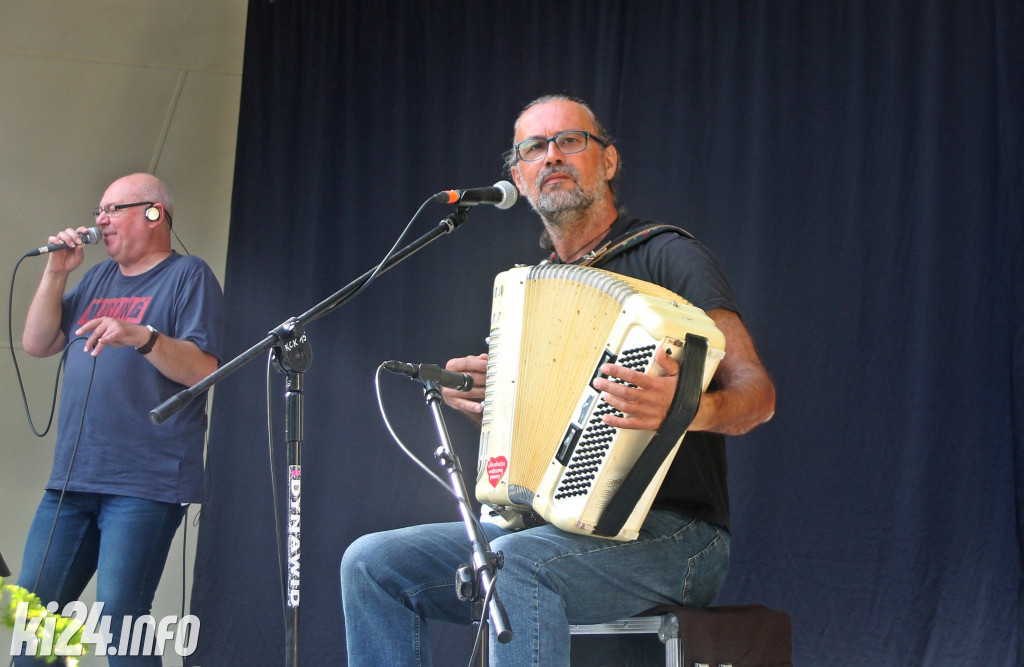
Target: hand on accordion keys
[(469, 403), (646, 404)]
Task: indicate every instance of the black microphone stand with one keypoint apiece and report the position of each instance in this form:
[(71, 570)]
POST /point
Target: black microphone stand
[(474, 582), (293, 355)]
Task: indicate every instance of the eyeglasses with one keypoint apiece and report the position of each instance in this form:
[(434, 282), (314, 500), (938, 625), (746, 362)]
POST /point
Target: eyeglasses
[(569, 142), (113, 209)]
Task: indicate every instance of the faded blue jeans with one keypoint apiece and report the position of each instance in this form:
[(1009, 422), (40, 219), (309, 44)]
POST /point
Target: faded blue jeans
[(393, 582), (123, 540)]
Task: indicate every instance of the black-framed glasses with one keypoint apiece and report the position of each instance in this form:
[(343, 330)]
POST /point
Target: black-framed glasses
[(569, 142), (112, 209)]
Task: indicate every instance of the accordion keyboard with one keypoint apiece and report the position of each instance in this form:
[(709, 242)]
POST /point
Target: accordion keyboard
[(595, 442)]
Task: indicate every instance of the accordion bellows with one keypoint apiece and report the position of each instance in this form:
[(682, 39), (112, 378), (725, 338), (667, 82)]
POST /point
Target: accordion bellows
[(544, 448)]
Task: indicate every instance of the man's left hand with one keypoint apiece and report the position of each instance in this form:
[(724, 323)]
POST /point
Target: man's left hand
[(105, 331)]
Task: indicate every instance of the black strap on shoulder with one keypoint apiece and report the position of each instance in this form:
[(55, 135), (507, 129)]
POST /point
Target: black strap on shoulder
[(680, 414), (630, 240)]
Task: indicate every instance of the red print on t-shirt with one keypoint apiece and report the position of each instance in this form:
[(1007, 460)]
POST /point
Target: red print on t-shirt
[(127, 308)]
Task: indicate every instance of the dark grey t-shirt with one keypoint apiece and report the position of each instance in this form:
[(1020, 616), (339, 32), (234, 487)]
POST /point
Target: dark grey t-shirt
[(696, 482), (104, 425)]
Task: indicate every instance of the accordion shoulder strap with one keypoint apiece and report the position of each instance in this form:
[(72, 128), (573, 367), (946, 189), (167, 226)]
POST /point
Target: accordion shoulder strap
[(630, 240), (680, 414)]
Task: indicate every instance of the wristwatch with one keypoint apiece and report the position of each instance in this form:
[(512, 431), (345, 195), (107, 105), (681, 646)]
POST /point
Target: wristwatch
[(148, 347)]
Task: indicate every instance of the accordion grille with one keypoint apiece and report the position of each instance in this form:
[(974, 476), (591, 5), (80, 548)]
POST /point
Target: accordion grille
[(568, 312)]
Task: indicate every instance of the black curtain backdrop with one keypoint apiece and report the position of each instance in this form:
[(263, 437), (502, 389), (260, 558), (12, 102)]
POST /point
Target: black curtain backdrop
[(855, 166)]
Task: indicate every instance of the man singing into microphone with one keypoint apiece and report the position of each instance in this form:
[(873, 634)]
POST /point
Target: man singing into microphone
[(565, 164), (138, 328)]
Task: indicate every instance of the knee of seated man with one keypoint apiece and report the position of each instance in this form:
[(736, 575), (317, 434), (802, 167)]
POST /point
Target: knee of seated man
[(359, 555), (372, 553)]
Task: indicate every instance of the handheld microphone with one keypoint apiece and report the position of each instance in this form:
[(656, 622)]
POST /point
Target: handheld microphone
[(431, 373), (91, 235), (502, 194)]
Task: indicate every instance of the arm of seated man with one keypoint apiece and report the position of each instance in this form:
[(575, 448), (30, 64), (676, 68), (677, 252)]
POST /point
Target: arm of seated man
[(744, 397)]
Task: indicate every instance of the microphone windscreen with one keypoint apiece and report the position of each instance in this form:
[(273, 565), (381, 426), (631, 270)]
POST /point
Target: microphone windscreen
[(509, 194), (92, 235)]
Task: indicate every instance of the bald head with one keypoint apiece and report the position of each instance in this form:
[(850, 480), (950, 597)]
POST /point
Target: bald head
[(150, 188), (132, 215)]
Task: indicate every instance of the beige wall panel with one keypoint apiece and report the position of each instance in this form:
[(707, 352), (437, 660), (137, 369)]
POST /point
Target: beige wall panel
[(193, 34), (92, 90), (73, 127), (197, 162)]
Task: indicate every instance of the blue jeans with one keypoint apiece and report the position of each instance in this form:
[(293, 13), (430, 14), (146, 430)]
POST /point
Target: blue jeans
[(393, 582), (123, 540)]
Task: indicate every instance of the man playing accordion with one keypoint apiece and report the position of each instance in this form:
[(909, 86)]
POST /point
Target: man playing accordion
[(565, 164)]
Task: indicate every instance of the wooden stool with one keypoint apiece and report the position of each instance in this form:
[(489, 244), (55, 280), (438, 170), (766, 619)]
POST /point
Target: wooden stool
[(728, 636)]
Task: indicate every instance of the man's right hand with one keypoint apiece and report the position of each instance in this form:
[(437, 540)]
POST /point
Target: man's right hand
[(66, 261)]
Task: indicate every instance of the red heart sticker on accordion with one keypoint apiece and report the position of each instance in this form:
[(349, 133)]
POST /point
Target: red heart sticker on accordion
[(496, 467)]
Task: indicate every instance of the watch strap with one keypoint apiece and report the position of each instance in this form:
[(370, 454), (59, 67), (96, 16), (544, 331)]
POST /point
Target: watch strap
[(148, 347)]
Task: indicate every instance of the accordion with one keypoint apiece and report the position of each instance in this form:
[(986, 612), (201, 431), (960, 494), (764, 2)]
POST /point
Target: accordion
[(544, 448)]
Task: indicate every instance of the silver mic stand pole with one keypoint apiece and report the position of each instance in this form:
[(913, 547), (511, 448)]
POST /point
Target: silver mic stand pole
[(474, 582)]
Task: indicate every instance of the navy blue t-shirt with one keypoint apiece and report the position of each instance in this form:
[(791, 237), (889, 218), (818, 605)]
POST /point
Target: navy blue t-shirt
[(120, 450), (696, 481)]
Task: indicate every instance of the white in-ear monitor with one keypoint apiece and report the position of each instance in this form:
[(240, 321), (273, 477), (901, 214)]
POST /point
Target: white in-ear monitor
[(152, 214)]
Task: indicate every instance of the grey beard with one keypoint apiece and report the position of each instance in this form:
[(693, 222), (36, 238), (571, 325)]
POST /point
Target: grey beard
[(562, 206)]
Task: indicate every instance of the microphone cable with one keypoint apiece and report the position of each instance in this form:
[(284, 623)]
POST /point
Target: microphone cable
[(401, 445), (387, 257), (275, 499), (49, 422), (71, 462), (17, 369)]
